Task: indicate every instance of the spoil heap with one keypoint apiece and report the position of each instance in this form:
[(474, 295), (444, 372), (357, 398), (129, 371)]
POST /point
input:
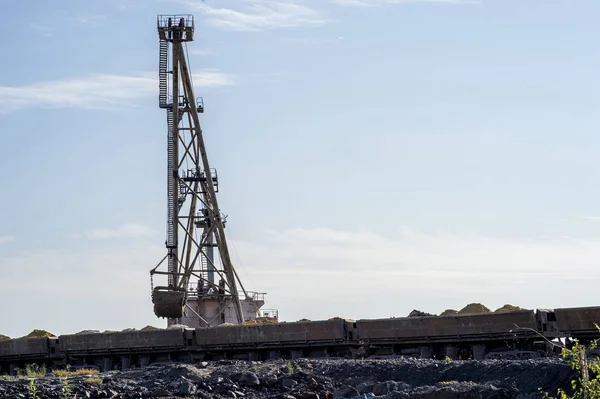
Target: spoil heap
[(448, 312), (260, 320), (508, 308), (474, 308), (418, 313), (150, 328), (39, 334), (88, 332), (4, 337)]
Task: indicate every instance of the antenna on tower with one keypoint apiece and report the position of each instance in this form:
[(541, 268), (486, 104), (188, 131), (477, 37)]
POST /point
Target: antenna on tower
[(200, 290)]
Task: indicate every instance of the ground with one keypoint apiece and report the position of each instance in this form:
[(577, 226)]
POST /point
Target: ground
[(309, 379)]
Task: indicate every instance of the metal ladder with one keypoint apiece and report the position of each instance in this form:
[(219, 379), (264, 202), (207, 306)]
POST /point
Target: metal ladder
[(171, 187), (204, 262), (162, 74)]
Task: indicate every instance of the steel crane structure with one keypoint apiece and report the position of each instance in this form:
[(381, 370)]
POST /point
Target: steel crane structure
[(195, 225)]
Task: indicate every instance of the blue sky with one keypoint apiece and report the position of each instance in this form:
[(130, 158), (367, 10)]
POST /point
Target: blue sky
[(374, 156)]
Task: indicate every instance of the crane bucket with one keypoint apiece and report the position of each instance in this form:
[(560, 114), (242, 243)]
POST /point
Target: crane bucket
[(168, 302)]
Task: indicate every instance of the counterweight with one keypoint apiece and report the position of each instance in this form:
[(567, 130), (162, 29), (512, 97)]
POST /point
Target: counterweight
[(195, 225)]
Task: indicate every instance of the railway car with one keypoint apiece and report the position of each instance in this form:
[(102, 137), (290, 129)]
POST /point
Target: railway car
[(16, 353), (579, 323), (127, 348), (454, 336), (263, 341), (512, 335)]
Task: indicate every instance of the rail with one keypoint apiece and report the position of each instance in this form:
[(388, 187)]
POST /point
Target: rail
[(170, 21)]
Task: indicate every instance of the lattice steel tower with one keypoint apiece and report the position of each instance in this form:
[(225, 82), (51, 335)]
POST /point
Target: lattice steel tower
[(192, 206)]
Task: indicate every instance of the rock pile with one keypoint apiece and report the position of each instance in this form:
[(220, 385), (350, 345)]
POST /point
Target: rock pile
[(3, 337), (149, 328), (418, 313), (508, 308), (260, 320), (448, 312), (39, 334), (313, 379), (474, 308)]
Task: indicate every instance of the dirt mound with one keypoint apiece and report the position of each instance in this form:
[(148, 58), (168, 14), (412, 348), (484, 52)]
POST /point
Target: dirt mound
[(474, 308), (448, 312), (149, 328), (4, 337), (418, 313), (260, 320), (302, 320), (226, 325), (39, 334), (508, 308), (177, 326)]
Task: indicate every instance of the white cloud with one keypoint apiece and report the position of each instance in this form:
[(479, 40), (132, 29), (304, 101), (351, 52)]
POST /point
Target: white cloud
[(313, 273), (5, 239), (81, 287), (89, 19), (363, 274), (259, 14), (99, 91), (45, 31), (201, 52), (367, 3), (129, 230)]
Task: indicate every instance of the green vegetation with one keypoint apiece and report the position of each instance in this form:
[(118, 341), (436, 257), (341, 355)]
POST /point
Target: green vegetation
[(66, 388), (291, 367), (32, 371), (94, 381), (33, 392), (587, 383), (76, 373)]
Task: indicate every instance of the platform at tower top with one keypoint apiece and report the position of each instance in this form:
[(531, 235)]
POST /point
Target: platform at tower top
[(182, 25)]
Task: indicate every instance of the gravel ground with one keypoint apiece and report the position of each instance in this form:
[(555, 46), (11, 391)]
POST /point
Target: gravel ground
[(311, 379)]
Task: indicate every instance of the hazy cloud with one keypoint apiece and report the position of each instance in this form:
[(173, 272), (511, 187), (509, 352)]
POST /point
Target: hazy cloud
[(314, 273), (5, 239), (97, 91), (251, 15), (43, 30), (89, 19), (367, 3), (129, 230), (201, 52)]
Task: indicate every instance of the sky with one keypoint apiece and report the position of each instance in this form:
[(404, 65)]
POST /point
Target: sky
[(374, 156)]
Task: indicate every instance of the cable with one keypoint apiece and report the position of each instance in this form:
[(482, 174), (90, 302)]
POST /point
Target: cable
[(246, 276), (187, 56)]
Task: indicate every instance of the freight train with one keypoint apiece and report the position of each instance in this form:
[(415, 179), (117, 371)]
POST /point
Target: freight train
[(517, 334)]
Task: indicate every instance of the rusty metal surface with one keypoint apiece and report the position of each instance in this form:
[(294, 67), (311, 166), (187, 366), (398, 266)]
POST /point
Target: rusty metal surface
[(120, 341), (444, 327), (578, 319), (24, 347), (272, 334)]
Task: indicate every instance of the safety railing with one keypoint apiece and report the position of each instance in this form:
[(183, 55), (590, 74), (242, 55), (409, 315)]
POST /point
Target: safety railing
[(169, 21)]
